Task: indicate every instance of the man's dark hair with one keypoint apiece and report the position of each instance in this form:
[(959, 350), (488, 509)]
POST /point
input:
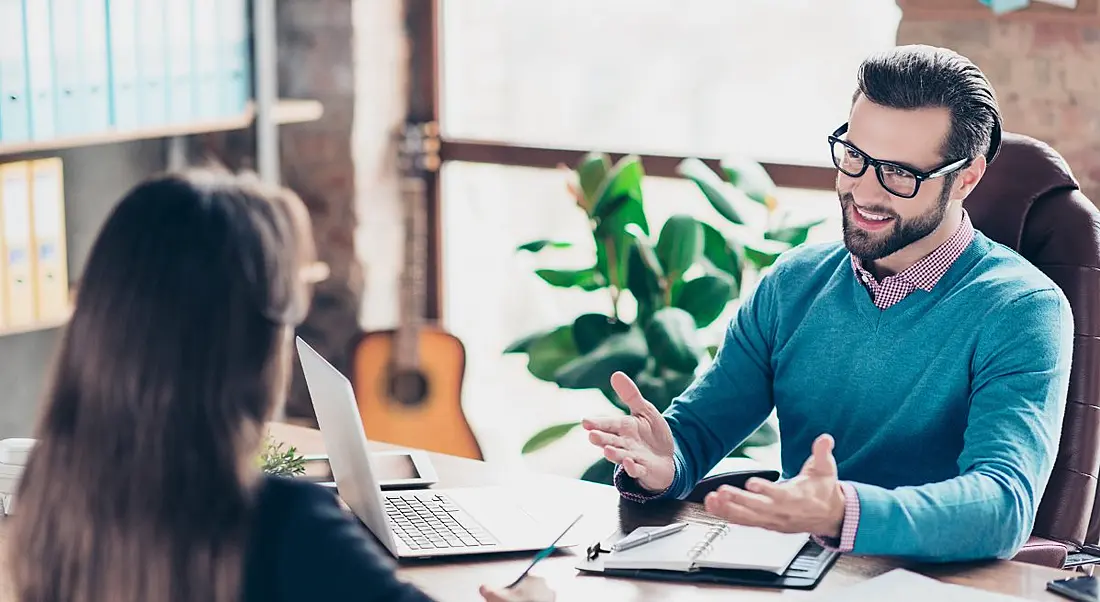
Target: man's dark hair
[(919, 76)]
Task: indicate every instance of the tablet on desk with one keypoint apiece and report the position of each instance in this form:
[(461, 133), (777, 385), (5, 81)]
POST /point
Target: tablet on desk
[(395, 469)]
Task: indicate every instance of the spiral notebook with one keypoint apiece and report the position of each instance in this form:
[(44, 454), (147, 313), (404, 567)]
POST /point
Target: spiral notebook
[(713, 546)]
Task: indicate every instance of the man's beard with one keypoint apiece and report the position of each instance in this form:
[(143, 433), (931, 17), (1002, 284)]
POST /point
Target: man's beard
[(869, 246)]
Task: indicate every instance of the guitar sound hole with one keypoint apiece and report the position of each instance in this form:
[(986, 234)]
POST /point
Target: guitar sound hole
[(408, 387)]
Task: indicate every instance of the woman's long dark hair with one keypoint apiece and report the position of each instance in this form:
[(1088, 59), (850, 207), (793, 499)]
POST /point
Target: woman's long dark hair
[(140, 485)]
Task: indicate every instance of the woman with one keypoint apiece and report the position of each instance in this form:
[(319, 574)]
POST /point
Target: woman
[(144, 482)]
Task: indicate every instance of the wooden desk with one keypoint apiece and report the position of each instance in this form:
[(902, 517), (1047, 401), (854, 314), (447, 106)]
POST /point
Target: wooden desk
[(604, 510)]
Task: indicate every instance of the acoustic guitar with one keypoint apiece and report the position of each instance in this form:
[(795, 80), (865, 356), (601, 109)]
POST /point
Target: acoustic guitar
[(408, 380)]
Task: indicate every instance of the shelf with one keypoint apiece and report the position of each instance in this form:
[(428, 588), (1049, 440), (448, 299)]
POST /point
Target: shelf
[(39, 326), (286, 111)]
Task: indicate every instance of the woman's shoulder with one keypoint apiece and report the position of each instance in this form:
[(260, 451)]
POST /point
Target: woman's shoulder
[(287, 510), (304, 544)]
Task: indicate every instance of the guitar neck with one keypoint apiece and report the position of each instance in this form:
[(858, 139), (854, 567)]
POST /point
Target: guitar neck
[(418, 158)]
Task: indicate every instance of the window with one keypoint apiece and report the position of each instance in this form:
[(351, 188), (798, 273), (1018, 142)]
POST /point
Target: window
[(770, 78), (493, 296)]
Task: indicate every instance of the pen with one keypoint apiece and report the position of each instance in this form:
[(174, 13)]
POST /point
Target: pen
[(626, 544), (544, 553)]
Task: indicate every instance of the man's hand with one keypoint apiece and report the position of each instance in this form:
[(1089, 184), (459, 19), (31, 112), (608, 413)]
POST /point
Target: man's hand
[(640, 442), (811, 502)]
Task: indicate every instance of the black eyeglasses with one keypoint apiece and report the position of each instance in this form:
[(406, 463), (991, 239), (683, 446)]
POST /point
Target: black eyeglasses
[(899, 180)]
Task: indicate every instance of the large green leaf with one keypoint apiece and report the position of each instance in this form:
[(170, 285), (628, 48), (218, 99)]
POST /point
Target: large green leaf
[(591, 171), (644, 284), (653, 389), (794, 232), (673, 340), (721, 253), (721, 195), (589, 330), (623, 182), (588, 279), (602, 471), (624, 351), (750, 177), (548, 353), (763, 252), (706, 297), (613, 242), (547, 436), (537, 245), (679, 245)]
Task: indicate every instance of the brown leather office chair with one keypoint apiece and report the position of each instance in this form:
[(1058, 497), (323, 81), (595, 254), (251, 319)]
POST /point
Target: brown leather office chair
[(1029, 200)]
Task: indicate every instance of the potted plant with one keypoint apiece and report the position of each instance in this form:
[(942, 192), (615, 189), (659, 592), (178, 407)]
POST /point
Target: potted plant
[(681, 280)]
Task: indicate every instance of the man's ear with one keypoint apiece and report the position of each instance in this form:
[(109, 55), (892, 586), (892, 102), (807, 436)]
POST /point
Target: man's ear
[(968, 178)]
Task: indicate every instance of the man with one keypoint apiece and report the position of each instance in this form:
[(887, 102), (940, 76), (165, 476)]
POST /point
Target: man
[(919, 370)]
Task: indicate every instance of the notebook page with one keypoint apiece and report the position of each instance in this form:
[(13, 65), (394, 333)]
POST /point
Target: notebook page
[(900, 585), (671, 553), (753, 548)]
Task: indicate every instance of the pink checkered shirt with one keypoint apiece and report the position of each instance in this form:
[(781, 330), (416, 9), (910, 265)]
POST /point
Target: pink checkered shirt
[(924, 275)]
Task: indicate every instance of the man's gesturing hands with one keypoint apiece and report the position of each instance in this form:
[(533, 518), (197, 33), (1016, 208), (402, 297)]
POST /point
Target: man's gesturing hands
[(811, 502), (640, 442)]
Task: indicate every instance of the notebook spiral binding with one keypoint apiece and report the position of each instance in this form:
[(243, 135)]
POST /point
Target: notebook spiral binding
[(700, 549)]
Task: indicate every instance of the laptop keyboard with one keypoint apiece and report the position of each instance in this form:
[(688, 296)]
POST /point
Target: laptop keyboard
[(426, 521)]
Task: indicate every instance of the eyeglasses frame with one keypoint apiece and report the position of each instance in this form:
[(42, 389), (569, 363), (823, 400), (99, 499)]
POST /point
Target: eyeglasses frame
[(868, 160)]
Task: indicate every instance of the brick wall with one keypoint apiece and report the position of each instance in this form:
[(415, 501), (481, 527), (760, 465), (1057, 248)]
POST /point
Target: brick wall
[(1047, 77), (315, 44)]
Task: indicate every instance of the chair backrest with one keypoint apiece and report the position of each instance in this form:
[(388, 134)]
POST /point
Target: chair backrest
[(1030, 201)]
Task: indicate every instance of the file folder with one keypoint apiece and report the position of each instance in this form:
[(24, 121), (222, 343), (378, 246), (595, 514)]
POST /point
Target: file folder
[(208, 68), (152, 64), (3, 267), (15, 203), (122, 43), (14, 94), (67, 65), (39, 66), (50, 260), (181, 59), (96, 62), (235, 54)]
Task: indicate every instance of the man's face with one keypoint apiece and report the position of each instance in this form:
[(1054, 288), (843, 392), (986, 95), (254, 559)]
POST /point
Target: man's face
[(878, 223)]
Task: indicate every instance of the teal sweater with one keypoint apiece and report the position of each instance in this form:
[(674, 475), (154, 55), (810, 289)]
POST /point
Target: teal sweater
[(946, 407)]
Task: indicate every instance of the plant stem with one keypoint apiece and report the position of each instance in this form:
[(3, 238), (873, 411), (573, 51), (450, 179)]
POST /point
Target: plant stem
[(612, 274)]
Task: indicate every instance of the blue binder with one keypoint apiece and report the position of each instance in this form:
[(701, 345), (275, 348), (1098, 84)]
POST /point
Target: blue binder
[(122, 44), (39, 66), (96, 65), (152, 63), (181, 61), (205, 16), (14, 94), (235, 53), (68, 67)]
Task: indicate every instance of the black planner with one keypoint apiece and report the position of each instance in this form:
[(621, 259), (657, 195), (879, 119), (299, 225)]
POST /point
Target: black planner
[(811, 564)]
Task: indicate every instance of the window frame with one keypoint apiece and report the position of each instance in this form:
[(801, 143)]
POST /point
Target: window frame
[(424, 28)]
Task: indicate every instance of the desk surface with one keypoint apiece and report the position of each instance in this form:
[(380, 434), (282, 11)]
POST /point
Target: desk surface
[(458, 580)]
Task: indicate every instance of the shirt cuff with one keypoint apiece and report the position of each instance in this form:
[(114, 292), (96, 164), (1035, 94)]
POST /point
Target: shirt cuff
[(847, 540), (630, 489)]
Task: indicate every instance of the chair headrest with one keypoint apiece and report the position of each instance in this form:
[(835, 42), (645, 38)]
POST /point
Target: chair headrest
[(1025, 170)]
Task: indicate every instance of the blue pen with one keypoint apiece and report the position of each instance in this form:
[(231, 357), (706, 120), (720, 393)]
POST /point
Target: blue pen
[(544, 553)]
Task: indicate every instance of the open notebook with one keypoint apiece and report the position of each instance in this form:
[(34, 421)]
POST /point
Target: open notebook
[(713, 545)]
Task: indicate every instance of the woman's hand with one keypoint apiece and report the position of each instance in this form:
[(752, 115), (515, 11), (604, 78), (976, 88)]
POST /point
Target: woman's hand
[(531, 589)]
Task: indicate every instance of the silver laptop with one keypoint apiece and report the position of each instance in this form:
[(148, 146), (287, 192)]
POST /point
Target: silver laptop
[(424, 522)]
